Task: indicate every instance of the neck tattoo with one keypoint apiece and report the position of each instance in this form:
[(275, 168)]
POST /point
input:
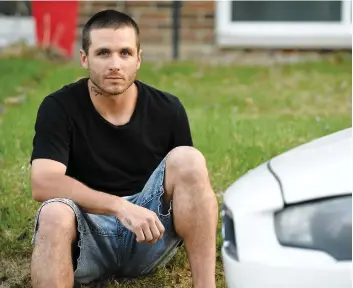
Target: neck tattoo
[(96, 91)]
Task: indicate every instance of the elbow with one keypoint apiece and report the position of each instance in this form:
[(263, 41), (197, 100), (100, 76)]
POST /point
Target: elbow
[(44, 177), (37, 194), (38, 190)]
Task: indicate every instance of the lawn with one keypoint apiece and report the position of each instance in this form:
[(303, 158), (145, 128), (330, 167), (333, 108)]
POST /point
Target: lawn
[(240, 117)]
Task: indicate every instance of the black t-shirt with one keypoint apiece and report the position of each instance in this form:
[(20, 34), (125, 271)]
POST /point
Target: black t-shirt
[(114, 159)]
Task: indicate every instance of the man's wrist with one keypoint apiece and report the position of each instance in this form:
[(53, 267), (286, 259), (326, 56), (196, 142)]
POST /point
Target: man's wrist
[(118, 206)]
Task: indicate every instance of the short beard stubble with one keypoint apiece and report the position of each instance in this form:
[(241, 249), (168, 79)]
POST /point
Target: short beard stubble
[(98, 90)]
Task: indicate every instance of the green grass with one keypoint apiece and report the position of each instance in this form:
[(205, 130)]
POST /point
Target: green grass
[(240, 117)]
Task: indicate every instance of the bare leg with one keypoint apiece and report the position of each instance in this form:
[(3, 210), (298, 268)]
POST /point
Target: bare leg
[(51, 259), (195, 211)]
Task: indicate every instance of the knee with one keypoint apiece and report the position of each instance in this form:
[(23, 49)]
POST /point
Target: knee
[(57, 219), (187, 164)]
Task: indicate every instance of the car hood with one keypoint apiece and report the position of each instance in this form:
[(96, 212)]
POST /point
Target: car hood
[(318, 169)]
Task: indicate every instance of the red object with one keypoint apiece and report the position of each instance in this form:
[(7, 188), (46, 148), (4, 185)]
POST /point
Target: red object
[(56, 24)]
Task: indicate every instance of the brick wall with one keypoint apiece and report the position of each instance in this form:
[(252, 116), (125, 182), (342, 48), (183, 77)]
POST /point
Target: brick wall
[(155, 21)]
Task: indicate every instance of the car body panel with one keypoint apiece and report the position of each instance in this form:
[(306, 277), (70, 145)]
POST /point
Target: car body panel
[(302, 170), (316, 170), (262, 193), (252, 201), (260, 275)]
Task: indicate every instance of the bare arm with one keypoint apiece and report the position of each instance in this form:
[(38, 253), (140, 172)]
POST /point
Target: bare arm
[(48, 181)]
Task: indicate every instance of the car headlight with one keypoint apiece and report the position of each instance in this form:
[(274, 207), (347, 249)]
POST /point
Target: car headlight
[(228, 232), (324, 225)]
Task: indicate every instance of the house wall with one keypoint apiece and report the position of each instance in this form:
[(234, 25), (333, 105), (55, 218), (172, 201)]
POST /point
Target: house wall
[(155, 20)]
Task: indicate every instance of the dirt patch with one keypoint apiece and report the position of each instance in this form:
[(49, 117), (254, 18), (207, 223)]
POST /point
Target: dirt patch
[(15, 272)]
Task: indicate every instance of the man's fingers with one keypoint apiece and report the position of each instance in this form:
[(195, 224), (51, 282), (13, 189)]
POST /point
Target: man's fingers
[(140, 236), (148, 233), (155, 231), (160, 227), (150, 229), (154, 241)]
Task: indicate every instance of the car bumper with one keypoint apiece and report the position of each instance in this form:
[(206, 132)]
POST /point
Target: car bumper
[(255, 275)]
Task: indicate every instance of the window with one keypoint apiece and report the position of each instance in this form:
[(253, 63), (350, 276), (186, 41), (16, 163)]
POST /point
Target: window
[(284, 24), (16, 22)]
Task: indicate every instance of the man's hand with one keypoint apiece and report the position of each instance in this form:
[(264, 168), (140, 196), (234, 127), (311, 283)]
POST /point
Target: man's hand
[(141, 221)]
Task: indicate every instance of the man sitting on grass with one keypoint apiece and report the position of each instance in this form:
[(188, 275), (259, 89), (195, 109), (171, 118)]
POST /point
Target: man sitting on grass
[(113, 164)]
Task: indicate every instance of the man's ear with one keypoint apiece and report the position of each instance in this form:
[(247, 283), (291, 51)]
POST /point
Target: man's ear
[(84, 59), (139, 59)]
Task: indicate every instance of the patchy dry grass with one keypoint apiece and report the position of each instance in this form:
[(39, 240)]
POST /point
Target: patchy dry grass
[(240, 117)]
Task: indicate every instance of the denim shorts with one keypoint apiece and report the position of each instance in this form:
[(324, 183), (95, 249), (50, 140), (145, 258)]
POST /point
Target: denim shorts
[(106, 248)]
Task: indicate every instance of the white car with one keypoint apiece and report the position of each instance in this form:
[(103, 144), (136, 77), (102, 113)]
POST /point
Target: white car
[(288, 222)]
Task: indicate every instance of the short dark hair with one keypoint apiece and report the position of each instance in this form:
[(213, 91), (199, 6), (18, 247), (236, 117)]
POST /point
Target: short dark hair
[(107, 19)]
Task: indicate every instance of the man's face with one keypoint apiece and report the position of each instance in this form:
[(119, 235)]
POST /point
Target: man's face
[(113, 59)]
